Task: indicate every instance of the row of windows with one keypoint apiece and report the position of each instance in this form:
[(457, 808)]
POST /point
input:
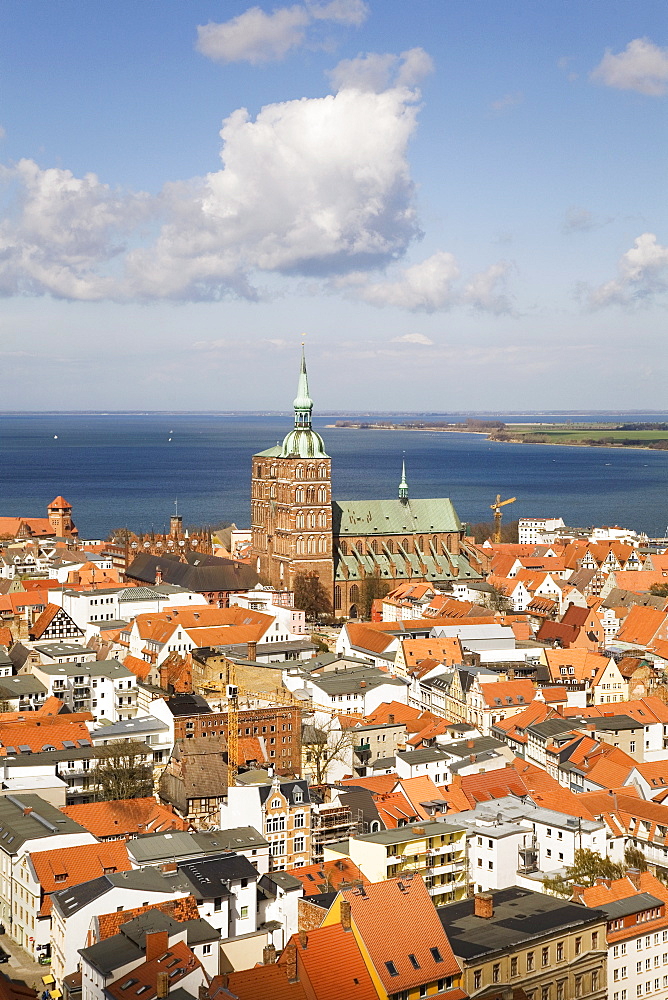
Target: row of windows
[(581, 985), (301, 472)]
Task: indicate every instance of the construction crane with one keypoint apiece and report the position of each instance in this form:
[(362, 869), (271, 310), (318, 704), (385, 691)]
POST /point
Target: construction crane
[(496, 507), (232, 692)]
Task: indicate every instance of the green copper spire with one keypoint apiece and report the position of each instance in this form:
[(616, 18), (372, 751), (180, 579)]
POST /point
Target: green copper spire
[(303, 441), (303, 403), (403, 485)]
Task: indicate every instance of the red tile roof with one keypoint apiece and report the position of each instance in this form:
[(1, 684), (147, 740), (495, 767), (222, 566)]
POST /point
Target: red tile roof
[(264, 982), (178, 961), (331, 961), (329, 876), (125, 817), (387, 917), (68, 866), (108, 924)]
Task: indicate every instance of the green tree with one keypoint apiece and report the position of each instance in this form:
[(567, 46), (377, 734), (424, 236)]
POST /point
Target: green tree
[(586, 868), (122, 771), (311, 596)]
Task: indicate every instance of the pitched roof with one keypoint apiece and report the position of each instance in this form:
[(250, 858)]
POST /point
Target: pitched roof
[(67, 866), (108, 924), (641, 625), (363, 637), (329, 876), (47, 731), (263, 982), (386, 917), (506, 694), (125, 817), (178, 961), (332, 962)]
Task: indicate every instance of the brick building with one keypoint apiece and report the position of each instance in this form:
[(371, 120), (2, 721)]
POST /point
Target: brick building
[(297, 529), (278, 727)]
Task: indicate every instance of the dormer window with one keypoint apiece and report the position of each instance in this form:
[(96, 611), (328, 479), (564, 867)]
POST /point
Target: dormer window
[(298, 795)]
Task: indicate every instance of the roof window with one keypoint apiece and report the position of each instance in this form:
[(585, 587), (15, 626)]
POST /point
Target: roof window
[(391, 968), (436, 955), (414, 962)]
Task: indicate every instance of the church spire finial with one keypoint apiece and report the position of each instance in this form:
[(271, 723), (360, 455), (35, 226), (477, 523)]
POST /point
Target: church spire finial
[(403, 485)]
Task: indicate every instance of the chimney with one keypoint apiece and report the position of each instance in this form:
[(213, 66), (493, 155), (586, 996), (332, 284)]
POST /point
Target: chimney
[(170, 866), (203, 993), (362, 684), (472, 758), (470, 744), (345, 914), (290, 954), (419, 831), (27, 810), (303, 939), (390, 719), (591, 726), (268, 954), (157, 943), (576, 893), (162, 985), (483, 905), (251, 651), (457, 780), (633, 875)]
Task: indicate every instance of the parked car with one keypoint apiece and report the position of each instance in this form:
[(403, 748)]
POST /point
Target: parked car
[(4, 955)]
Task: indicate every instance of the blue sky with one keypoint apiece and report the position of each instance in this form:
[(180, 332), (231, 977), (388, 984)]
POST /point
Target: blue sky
[(461, 202)]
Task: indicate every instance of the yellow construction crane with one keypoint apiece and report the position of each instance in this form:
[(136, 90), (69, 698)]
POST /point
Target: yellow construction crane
[(496, 507), (232, 692)]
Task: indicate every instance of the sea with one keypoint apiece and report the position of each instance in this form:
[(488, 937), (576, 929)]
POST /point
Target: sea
[(137, 469)]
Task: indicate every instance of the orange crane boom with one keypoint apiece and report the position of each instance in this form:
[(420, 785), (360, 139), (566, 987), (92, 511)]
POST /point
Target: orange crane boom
[(496, 507)]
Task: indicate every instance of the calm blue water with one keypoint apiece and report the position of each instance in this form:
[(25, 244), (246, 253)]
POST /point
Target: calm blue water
[(119, 470)]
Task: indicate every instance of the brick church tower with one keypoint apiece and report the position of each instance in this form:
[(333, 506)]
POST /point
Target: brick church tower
[(60, 518), (291, 503)]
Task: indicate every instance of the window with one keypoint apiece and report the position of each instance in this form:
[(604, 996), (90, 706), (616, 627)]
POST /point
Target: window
[(299, 845), (578, 986), (217, 903), (244, 912), (299, 819), (496, 973), (206, 950), (578, 946), (391, 968), (594, 980), (436, 955), (477, 979), (594, 939), (545, 993), (632, 746), (513, 966), (414, 962), (530, 961), (545, 957), (560, 951)]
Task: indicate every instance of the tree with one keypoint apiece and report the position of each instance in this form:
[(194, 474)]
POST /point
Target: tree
[(324, 746), (498, 600), (372, 588), (659, 589), (586, 868), (311, 596), (122, 771), (634, 858)]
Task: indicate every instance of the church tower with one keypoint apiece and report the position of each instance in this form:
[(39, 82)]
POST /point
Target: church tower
[(291, 502)]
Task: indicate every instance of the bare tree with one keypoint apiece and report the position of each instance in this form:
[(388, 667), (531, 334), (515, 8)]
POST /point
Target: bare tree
[(324, 746), (122, 771)]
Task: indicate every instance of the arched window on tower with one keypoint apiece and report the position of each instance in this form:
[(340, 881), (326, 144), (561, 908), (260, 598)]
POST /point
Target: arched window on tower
[(310, 546), (337, 598), (343, 548), (299, 472), (375, 545), (310, 494), (322, 495), (390, 545), (420, 543), (404, 544), (322, 471), (300, 546), (354, 593), (311, 520), (310, 472), (299, 520), (322, 544), (299, 495), (272, 471), (272, 492), (322, 519)]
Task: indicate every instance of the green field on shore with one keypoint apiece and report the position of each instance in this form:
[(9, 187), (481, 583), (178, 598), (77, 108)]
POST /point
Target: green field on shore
[(565, 433)]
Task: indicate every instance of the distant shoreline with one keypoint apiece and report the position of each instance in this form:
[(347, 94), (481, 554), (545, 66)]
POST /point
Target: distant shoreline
[(508, 438)]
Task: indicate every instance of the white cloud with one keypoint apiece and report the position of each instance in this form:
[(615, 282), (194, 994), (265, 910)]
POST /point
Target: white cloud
[(642, 66), (412, 338), (642, 274), (507, 101), (486, 291), (257, 37), (433, 285), (376, 72), (316, 187), (211, 345)]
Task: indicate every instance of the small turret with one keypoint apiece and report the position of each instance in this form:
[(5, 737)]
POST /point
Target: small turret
[(403, 485)]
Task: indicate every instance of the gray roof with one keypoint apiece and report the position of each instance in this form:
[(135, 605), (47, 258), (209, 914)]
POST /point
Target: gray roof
[(64, 649), (95, 668), (126, 727), (210, 877), (630, 904), (11, 687), (208, 574), (519, 915), (43, 820), (157, 847), (112, 953), (355, 680), (412, 831), (284, 880)]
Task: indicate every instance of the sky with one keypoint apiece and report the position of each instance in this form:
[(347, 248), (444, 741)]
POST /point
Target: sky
[(457, 204)]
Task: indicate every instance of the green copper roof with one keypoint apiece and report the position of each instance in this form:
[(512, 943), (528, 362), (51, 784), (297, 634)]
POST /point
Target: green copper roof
[(443, 569), (302, 400), (393, 517)]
